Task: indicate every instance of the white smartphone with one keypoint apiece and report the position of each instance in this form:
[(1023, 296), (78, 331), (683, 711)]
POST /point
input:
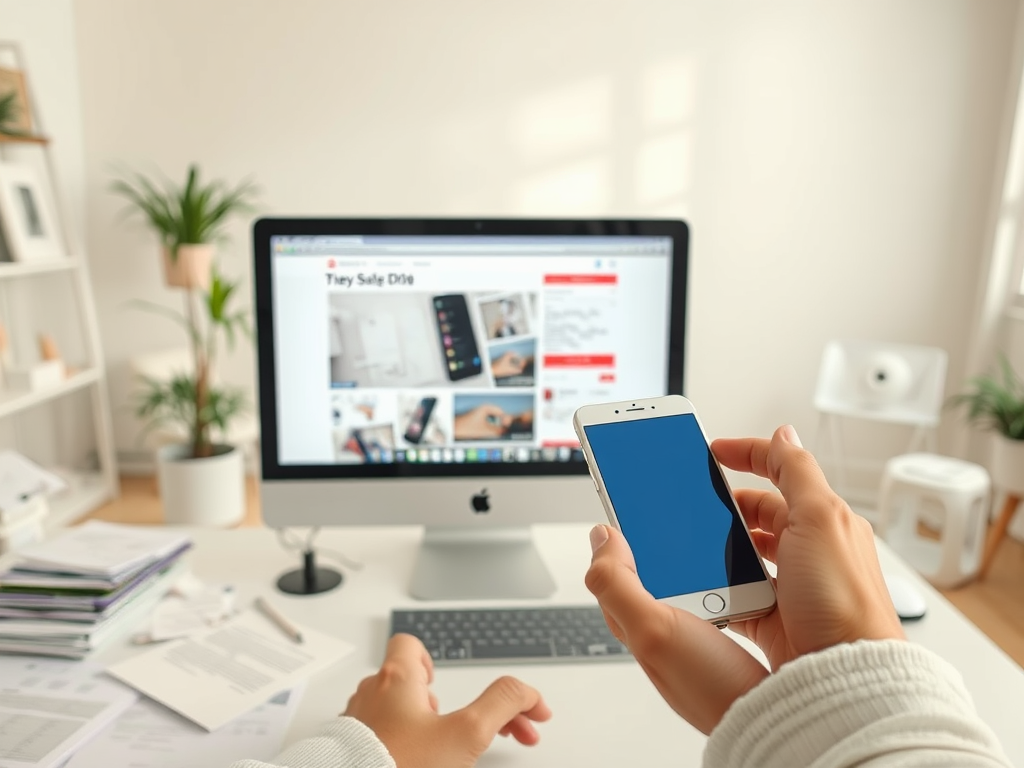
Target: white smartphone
[(662, 487)]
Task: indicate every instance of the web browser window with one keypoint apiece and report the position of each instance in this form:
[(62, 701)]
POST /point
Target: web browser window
[(431, 350)]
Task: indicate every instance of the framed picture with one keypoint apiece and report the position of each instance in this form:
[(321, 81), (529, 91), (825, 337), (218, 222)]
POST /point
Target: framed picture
[(29, 226), (13, 81)]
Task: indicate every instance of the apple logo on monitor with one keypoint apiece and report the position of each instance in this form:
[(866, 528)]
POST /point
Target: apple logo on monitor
[(481, 502)]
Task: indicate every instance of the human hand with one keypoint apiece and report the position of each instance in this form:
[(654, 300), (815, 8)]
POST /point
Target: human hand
[(697, 669), (485, 422), (508, 364), (829, 587), (399, 707)]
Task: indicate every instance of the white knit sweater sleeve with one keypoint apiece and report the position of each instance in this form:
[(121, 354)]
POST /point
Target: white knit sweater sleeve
[(342, 743), (877, 704)]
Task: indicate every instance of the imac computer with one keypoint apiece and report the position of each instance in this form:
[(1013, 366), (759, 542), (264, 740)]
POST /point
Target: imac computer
[(425, 372)]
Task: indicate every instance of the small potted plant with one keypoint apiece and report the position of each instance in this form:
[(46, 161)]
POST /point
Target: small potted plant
[(201, 481), (995, 402), (188, 219), (10, 114)]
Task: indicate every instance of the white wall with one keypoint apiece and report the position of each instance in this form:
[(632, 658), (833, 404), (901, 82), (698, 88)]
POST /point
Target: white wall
[(834, 159)]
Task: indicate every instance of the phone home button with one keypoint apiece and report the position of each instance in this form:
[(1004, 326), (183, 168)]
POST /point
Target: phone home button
[(714, 602)]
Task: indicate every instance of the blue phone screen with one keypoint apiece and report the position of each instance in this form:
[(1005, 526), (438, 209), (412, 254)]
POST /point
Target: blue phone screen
[(673, 505)]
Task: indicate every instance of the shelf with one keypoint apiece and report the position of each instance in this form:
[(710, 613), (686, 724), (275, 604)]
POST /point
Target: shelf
[(10, 269), (6, 138), (15, 401), (85, 493)]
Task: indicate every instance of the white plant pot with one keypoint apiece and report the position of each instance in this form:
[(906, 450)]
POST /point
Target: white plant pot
[(207, 492), (1007, 464), (191, 268)]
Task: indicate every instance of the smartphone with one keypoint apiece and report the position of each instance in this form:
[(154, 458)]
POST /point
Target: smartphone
[(663, 488), (418, 421), (455, 332), (376, 444)]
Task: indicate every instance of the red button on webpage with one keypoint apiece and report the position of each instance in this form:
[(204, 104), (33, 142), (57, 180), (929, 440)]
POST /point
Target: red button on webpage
[(581, 279), (579, 361)]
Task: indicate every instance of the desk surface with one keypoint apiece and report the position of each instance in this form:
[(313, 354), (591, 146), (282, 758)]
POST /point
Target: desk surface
[(604, 714)]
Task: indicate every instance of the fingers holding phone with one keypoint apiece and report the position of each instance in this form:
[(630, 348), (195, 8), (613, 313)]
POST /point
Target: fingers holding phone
[(830, 585), (696, 668)]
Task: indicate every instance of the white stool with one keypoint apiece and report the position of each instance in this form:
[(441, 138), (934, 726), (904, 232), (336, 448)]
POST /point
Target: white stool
[(961, 490)]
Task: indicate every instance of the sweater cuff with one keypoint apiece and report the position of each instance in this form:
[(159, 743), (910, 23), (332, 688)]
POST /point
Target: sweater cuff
[(854, 701), (342, 742)]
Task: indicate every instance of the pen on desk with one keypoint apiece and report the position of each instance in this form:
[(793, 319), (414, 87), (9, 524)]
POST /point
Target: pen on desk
[(282, 623)]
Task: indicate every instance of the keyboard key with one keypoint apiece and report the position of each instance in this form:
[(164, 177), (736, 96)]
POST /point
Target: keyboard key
[(521, 651)]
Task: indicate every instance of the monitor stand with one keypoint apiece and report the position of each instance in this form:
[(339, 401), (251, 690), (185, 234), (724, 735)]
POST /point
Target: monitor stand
[(309, 579), (479, 564)]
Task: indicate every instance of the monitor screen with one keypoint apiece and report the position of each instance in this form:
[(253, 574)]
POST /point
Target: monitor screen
[(429, 349)]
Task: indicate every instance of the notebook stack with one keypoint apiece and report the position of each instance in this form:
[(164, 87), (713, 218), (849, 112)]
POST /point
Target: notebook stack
[(67, 596)]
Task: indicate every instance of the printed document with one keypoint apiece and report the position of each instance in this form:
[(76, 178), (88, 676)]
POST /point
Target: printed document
[(151, 736), (216, 675), (50, 708), (101, 548)]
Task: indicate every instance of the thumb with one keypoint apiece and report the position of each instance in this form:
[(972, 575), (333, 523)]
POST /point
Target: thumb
[(613, 580), (507, 701)]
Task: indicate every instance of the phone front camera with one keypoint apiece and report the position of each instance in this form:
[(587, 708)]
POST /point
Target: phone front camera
[(616, 410)]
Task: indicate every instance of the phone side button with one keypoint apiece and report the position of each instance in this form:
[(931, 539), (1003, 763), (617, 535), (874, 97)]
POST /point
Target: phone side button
[(714, 603)]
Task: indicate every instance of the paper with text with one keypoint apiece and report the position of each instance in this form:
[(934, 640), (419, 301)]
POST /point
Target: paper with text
[(214, 676), (50, 708), (149, 735)]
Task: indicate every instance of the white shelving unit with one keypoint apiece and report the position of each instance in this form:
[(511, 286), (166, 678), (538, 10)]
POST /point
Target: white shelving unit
[(89, 489)]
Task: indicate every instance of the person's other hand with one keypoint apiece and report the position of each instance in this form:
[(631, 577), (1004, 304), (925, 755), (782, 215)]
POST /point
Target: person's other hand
[(508, 364), (399, 707), (830, 588), (485, 422)]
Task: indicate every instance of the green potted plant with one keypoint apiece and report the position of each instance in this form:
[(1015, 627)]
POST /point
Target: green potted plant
[(10, 114), (188, 220), (995, 402), (201, 480)]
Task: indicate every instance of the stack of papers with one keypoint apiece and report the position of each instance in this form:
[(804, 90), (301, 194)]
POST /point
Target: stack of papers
[(66, 596)]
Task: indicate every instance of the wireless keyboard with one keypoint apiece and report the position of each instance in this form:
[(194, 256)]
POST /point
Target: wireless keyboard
[(524, 635)]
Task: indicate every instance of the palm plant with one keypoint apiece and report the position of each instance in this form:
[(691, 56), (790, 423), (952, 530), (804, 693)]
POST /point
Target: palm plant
[(995, 401), (192, 399), (190, 215)]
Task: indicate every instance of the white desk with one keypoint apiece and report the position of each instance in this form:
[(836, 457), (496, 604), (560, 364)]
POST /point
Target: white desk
[(604, 714)]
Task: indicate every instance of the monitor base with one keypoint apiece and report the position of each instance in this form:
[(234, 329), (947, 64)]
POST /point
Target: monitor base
[(309, 580), (476, 564)]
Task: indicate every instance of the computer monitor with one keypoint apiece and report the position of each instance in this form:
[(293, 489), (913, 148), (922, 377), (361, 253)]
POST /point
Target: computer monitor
[(425, 372)]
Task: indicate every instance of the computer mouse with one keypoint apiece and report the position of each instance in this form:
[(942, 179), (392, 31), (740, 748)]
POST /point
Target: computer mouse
[(906, 598)]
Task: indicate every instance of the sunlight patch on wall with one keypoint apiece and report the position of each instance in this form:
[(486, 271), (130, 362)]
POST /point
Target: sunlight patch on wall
[(663, 168), (581, 188), (667, 94), (675, 208), (563, 122), (1002, 258), (1015, 162)]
